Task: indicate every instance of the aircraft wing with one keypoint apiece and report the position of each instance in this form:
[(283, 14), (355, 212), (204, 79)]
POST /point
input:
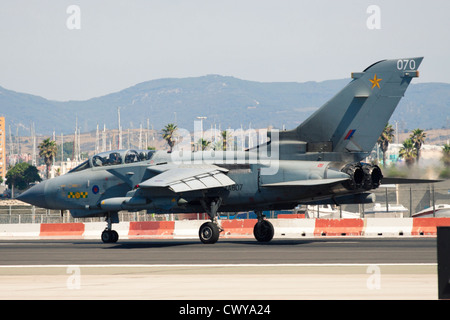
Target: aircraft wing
[(306, 183), (189, 178)]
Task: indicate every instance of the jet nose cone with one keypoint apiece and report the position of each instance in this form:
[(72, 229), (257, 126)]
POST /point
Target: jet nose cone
[(35, 196)]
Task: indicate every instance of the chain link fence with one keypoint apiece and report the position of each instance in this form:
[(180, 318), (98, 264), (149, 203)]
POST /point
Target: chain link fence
[(30, 214), (405, 200), (398, 201)]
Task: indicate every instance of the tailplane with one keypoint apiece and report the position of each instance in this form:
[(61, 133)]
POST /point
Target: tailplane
[(354, 118)]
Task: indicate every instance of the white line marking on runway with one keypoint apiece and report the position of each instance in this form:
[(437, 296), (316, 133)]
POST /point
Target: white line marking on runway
[(218, 265)]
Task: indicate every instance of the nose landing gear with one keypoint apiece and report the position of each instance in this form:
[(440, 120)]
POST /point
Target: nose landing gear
[(109, 235)]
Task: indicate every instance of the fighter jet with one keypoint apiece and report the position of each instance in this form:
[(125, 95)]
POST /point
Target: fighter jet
[(319, 162)]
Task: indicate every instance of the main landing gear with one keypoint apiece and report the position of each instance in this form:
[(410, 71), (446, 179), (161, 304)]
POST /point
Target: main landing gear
[(109, 235), (210, 231), (263, 229)]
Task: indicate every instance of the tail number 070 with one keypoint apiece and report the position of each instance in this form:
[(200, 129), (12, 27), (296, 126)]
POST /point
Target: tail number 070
[(406, 64)]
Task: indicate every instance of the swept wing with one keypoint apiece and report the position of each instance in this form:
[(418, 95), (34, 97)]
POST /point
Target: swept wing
[(189, 178)]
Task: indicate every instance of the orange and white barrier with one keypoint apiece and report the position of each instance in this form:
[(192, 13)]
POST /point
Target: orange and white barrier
[(294, 228), (188, 229), (28, 231), (428, 226), (160, 229), (69, 230), (339, 227), (238, 228), (388, 227)]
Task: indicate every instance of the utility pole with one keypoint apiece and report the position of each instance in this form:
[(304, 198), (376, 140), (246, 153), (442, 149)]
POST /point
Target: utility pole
[(120, 129), (104, 138), (201, 124)]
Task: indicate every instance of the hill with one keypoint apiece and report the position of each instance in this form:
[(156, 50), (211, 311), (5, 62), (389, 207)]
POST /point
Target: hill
[(225, 101)]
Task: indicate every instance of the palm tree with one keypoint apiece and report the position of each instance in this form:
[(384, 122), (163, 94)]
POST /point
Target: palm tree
[(408, 152), (47, 151), (226, 135), (169, 134), (204, 144), (446, 156), (418, 138), (386, 137), (217, 145)]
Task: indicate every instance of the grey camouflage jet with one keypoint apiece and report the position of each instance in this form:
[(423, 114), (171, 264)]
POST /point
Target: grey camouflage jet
[(319, 162)]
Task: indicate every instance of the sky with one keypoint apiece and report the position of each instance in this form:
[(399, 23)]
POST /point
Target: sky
[(103, 46)]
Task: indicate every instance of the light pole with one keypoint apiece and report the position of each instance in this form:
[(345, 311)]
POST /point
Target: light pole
[(201, 124)]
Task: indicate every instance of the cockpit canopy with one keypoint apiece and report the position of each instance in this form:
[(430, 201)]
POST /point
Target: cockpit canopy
[(111, 158)]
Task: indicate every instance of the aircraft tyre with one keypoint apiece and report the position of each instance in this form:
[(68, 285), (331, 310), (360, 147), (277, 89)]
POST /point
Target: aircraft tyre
[(110, 236), (209, 233), (263, 231)]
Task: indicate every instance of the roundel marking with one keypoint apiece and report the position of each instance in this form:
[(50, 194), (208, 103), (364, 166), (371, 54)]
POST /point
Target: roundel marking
[(95, 189)]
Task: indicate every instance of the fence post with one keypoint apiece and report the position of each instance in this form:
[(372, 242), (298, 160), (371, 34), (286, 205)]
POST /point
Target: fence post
[(410, 202)]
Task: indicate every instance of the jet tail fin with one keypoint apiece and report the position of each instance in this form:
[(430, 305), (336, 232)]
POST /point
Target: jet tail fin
[(354, 118)]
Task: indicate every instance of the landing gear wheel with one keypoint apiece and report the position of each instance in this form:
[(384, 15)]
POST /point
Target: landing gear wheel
[(110, 236), (263, 231), (115, 236), (209, 233)]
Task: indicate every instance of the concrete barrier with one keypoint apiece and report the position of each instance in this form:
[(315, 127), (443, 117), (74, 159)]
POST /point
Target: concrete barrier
[(20, 231), (187, 229), (339, 227), (238, 228), (428, 226), (145, 229), (284, 228), (70, 230), (293, 228), (291, 216), (93, 230), (388, 227)]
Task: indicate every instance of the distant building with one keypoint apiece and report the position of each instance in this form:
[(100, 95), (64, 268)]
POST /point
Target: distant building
[(2, 148)]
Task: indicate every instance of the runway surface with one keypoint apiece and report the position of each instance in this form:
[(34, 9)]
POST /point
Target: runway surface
[(331, 250), (332, 268)]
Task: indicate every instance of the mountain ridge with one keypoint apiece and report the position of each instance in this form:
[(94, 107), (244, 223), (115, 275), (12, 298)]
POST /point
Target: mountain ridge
[(226, 101)]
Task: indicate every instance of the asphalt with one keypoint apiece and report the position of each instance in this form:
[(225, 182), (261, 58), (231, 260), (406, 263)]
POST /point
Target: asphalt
[(333, 268), (330, 250)]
